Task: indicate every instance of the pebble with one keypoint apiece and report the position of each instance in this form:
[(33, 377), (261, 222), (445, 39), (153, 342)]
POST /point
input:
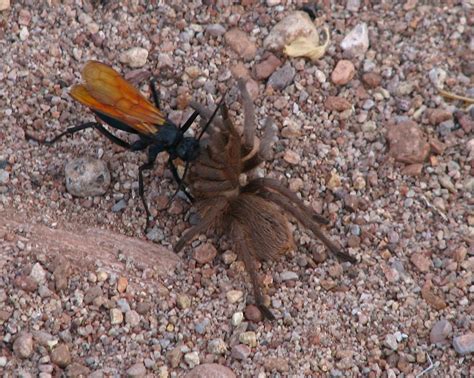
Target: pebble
[(135, 57), (282, 77), (431, 298), (437, 77), (132, 318), (4, 177), (86, 177), (38, 273), (201, 327), (92, 293), (61, 355), (217, 346), (26, 283), (464, 344), (266, 67), (24, 33), (192, 359), (216, 30), (287, 276), (23, 345), (343, 72), (279, 364), (116, 316), (334, 181), (291, 157), (436, 116), (253, 313), (240, 42), (441, 331), (123, 305), (240, 351), (122, 284), (371, 79), (291, 27), (119, 206), (4, 5), (390, 342), (155, 234), (353, 5), (421, 261), (210, 371), (3, 359), (237, 318), (137, 370), (228, 257), (336, 103), (234, 296), (183, 301), (248, 338), (205, 253), (408, 144), (356, 42), (369, 126)]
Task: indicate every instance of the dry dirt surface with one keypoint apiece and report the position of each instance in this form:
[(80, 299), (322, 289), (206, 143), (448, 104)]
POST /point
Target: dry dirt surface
[(365, 138)]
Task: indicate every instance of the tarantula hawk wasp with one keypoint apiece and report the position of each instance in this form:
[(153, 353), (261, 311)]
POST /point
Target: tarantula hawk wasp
[(117, 103)]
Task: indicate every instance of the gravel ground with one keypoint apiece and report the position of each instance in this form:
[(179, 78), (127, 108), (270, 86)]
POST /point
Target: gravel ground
[(365, 138)]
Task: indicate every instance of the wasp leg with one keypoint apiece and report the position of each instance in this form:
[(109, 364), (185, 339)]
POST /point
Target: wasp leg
[(69, 131), (154, 93), (179, 180)]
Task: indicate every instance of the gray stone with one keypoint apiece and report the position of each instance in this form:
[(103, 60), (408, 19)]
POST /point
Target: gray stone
[(441, 331), (357, 41), (282, 77), (87, 176), (464, 344)]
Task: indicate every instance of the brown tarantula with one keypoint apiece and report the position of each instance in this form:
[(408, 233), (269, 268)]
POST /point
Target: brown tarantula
[(251, 214)]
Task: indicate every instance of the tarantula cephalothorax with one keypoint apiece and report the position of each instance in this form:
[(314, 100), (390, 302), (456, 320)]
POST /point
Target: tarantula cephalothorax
[(251, 214)]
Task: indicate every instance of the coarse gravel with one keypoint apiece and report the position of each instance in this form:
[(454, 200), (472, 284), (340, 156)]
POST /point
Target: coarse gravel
[(401, 203)]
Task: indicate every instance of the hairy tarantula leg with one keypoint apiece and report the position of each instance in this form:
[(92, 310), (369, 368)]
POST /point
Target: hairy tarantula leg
[(250, 126), (208, 173), (212, 186), (266, 183), (284, 203), (202, 226), (205, 112), (242, 250), (268, 140)]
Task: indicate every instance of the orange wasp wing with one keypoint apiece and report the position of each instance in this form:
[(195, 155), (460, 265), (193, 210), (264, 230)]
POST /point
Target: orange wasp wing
[(107, 92)]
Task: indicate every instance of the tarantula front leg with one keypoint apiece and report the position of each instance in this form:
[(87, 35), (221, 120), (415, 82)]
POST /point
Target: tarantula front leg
[(240, 238), (216, 206), (301, 217)]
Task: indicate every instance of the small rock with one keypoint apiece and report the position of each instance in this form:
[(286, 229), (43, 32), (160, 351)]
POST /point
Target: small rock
[(237, 318), (437, 77), (431, 298), (122, 284), (201, 326), (436, 116), (291, 157), (240, 42), (240, 351), (4, 5), (217, 346), (338, 104), (371, 79), (390, 342), (132, 318), (276, 363), (205, 253), (119, 206), (335, 271), (408, 143), (441, 331), (174, 356), (23, 345), (343, 72), (77, 370), (155, 234), (421, 261), (283, 77), (248, 338), (92, 293), (192, 359), (228, 257), (234, 296), (369, 126), (413, 170), (4, 177), (61, 273), (215, 30), (210, 371), (287, 276), (26, 283), (183, 301), (24, 33), (87, 177), (464, 344), (253, 313), (135, 57), (357, 41), (61, 355), (334, 181), (38, 273), (266, 67), (116, 316), (137, 370)]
